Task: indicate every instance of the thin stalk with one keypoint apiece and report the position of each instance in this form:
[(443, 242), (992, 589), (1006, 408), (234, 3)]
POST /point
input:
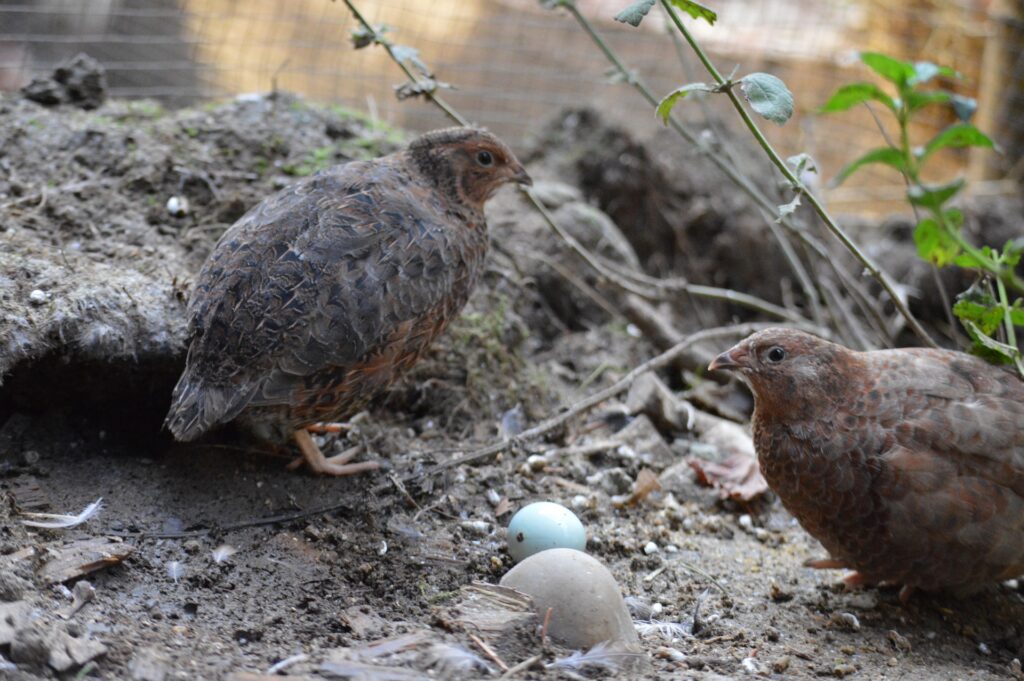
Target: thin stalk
[(1011, 333), (795, 264), (602, 269), (727, 168), (386, 44), (954, 333), (776, 160)]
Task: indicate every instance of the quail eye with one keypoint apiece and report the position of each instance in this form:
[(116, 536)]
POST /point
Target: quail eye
[(485, 158), (776, 354)]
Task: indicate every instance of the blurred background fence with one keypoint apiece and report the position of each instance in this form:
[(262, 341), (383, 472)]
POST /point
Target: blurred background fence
[(516, 65)]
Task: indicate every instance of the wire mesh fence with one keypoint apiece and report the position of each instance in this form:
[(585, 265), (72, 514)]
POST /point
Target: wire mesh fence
[(515, 64)]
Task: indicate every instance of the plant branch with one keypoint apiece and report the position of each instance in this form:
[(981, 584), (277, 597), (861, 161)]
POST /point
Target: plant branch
[(798, 186), (585, 405), (386, 44)]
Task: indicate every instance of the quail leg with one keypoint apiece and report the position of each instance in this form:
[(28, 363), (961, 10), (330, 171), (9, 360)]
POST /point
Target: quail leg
[(329, 427), (824, 564), (333, 466)]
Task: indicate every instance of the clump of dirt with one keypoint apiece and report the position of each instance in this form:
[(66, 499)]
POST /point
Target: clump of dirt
[(222, 564), (80, 81)]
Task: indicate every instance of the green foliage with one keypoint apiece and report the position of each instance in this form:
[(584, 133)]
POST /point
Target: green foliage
[(664, 109), (957, 136), (885, 155), (768, 96), (695, 10), (853, 94), (939, 234), (636, 12)]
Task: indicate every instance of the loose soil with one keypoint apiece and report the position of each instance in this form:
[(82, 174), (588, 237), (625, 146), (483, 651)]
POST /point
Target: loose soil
[(326, 567)]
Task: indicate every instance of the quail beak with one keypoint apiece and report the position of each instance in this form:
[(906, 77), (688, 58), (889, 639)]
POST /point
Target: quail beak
[(733, 358), (520, 176)]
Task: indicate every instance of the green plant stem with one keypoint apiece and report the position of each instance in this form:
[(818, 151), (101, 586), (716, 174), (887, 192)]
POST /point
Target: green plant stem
[(386, 44), (768, 207), (799, 187), (1011, 333), (725, 166), (623, 282), (802, 276)]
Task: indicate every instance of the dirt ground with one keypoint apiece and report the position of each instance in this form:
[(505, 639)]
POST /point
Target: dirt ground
[(229, 564)]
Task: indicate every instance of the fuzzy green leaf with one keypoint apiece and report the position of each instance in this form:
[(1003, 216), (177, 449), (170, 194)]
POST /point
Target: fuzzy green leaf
[(1017, 313), (668, 101), (768, 96), (885, 155), (964, 107), (933, 196), (989, 347), (1012, 251), (934, 244), (917, 100), (695, 10), (957, 136), (893, 70), (850, 95), (635, 13), (977, 305), (987, 317)]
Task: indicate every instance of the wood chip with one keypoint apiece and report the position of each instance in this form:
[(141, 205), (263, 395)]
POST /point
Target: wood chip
[(82, 557)]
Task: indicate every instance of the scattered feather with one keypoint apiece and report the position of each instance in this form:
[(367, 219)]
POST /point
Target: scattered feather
[(669, 631), (603, 656), (175, 570), (223, 552), (60, 521), (286, 662), (450, 659), (360, 671), (639, 608), (389, 646)]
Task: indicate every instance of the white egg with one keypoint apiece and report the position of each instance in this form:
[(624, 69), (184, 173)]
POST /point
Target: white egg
[(544, 525)]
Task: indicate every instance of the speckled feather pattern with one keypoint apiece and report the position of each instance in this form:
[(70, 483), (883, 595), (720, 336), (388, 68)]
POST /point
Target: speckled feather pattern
[(907, 465), (321, 295)]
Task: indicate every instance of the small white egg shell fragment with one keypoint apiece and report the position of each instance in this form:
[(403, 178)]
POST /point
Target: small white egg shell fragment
[(586, 605), (544, 525)]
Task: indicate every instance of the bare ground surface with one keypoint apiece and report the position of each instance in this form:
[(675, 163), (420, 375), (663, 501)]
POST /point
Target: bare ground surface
[(325, 567)]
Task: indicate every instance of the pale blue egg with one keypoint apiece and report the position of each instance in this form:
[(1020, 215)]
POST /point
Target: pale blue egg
[(544, 525)]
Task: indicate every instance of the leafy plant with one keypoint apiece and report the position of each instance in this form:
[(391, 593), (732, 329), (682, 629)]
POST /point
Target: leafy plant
[(769, 97), (938, 235)]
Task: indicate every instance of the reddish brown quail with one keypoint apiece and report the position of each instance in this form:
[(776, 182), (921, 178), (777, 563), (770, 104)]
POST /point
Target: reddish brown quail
[(907, 465), (323, 294)]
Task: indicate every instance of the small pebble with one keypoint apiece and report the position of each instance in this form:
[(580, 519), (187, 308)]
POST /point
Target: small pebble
[(177, 206), (38, 297), (899, 641), (984, 649), (651, 548), (477, 528), (752, 666), (845, 620), (780, 664), (843, 670)]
